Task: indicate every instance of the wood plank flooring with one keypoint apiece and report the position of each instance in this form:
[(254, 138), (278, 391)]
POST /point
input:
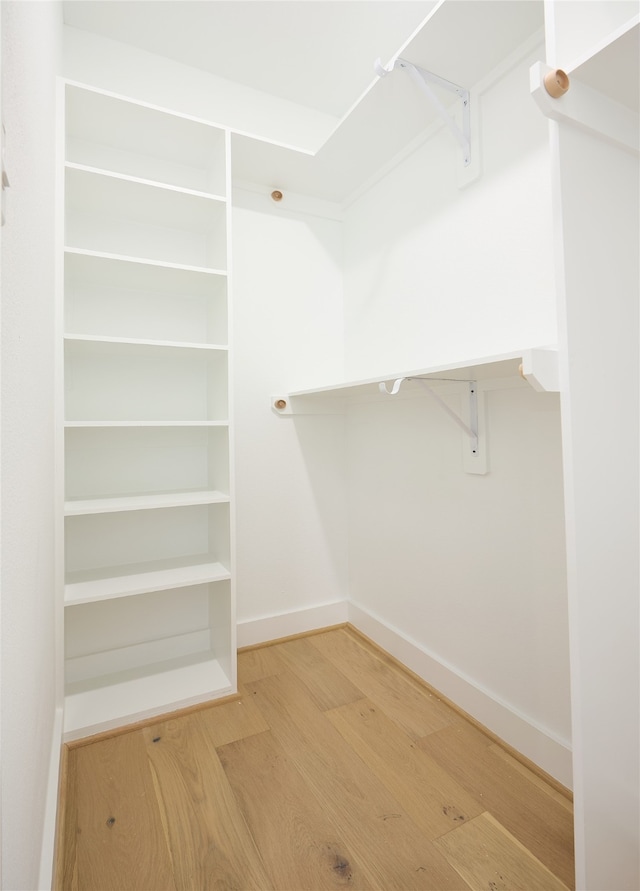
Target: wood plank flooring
[(334, 769)]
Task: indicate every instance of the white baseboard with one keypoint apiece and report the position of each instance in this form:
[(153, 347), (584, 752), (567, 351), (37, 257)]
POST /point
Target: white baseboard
[(47, 852), (537, 743), (256, 631)]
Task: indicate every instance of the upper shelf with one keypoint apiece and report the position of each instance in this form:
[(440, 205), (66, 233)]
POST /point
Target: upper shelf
[(461, 41), (134, 139), (538, 366), (615, 69)]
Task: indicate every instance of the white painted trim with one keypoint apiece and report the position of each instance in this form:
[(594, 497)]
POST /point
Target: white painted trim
[(535, 742), (291, 202), (266, 628), (47, 851)]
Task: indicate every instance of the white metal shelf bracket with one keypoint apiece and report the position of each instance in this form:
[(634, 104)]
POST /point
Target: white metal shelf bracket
[(423, 79), (470, 429)]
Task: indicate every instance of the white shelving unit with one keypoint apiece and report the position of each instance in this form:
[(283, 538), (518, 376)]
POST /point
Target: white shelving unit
[(148, 590)]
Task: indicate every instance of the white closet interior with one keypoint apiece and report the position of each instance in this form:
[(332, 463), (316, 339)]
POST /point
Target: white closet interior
[(199, 515)]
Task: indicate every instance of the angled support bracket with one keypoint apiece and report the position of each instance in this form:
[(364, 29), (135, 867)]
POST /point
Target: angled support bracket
[(475, 460), (423, 80)]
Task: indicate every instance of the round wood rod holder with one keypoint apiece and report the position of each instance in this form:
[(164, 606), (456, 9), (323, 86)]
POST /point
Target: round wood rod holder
[(280, 404), (556, 83)]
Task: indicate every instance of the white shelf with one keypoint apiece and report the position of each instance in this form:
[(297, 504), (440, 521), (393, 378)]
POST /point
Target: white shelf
[(477, 368), (156, 184), (120, 380), (91, 590), (118, 297), (129, 462), (612, 69), (132, 138), (79, 507), (131, 218), (461, 41), (137, 341), (121, 697), (142, 261), (72, 424)]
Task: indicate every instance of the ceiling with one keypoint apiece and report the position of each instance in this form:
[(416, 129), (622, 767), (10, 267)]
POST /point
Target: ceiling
[(317, 53)]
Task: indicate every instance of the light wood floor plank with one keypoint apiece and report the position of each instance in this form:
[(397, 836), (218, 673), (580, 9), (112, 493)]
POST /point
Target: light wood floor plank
[(530, 814), (563, 800), (328, 687), (301, 845), (488, 857), (430, 795), (256, 664), (120, 839), (415, 710), (203, 822), (379, 832), (233, 720)]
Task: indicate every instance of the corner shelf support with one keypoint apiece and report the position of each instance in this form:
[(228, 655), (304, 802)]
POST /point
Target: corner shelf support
[(471, 429), (423, 78)]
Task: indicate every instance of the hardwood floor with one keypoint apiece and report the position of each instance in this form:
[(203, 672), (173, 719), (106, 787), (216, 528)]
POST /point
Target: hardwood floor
[(334, 769)]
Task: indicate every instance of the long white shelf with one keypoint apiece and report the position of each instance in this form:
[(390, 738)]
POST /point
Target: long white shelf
[(392, 114), (478, 368), (136, 341), (144, 261), (143, 582), (146, 423), (156, 184), (74, 508), (109, 701)]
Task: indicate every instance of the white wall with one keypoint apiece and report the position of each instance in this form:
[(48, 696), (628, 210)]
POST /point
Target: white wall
[(469, 566), (434, 273), (597, 211), (31, 34), (468, 571), (290, 502)]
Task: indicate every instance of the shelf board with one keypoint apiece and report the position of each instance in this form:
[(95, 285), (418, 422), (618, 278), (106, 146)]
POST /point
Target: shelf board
[(143, 581), (476, 368), (120, 698), (146, 424), (74, 508), (135, 341), (118, 133), (99, 171), (144, 261), (613, 68), (392, 114)]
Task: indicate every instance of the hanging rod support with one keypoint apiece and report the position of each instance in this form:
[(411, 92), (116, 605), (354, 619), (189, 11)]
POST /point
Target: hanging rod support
[(423, 78), (471, 429)]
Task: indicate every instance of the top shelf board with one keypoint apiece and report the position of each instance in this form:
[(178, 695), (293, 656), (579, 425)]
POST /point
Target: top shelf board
[(134, 139), (537, 363), (615, 69), (462, 41)]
